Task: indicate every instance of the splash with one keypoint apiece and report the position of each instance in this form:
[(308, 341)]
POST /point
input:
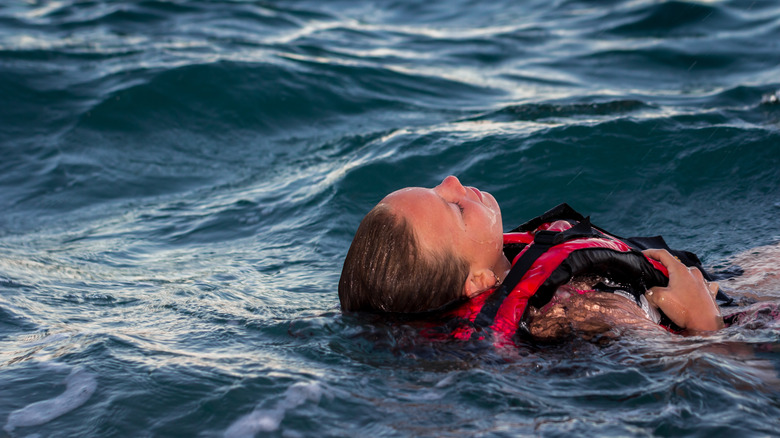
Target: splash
[(268, 420), (80, 387)]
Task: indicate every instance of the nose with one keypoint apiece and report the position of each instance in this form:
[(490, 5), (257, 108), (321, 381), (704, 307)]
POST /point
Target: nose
[(451, 187)]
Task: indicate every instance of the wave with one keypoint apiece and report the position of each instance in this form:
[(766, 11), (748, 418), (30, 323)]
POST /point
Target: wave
[(266, 98), (539, 111), (677, 18)]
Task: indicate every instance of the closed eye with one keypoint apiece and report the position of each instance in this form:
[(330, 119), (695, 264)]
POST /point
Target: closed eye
[(460, 206)]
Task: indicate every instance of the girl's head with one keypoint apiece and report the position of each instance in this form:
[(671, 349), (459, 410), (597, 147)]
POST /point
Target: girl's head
[(420, 249)]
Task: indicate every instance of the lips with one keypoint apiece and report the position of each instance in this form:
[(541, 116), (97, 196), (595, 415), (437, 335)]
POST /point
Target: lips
[(479, 194)]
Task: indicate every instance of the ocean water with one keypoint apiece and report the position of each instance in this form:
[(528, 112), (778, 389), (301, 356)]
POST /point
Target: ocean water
[(180, 181)]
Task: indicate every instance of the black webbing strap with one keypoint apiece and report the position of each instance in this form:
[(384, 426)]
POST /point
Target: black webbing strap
[(543, 241)]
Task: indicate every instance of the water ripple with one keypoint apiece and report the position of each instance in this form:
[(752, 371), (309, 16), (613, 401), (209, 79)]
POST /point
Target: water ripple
[(181, 179)]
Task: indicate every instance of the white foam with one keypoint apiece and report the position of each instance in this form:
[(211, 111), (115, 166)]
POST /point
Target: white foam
[(268, 420), (56, 337), (446, 381), (80, 385)]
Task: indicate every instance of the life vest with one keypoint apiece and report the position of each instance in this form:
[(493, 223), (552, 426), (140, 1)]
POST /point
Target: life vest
[(546, 253)]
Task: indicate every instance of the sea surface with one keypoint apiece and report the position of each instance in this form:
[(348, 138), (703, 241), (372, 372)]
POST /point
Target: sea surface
[(180, 181)]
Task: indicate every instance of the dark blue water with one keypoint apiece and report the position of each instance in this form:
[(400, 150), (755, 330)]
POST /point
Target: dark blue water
[(180, 181)]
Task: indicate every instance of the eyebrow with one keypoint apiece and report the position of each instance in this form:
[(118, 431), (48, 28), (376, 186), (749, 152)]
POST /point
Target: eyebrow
[(447, 204)]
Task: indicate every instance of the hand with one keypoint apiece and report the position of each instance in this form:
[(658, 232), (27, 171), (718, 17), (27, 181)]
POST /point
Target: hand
[(688, 301)]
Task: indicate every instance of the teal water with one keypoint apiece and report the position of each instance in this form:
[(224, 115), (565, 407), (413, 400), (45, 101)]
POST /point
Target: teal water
[(180, 181)]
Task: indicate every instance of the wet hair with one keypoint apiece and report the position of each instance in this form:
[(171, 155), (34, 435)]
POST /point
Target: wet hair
[(386, 270)]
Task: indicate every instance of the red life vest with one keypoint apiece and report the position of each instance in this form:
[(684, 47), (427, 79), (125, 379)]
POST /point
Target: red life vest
[(554, 248)]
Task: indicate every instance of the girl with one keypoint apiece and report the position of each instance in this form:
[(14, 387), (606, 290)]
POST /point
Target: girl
[(421, 249)]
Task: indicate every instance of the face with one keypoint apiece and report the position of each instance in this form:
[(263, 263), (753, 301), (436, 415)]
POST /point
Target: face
[(451, 216)]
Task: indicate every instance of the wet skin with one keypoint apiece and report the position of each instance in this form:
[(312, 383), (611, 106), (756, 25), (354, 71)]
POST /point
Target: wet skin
[(462, 219), (467, 222)]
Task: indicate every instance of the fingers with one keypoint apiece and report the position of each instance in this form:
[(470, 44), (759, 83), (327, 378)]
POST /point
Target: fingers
[(656, 296), (652, 295), (662, 298), (712, 286), (696, 273), (665, 258), (672, 263), (688, 300), (657, 254)]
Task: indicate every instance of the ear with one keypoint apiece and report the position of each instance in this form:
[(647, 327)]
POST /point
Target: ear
[(479, 281)]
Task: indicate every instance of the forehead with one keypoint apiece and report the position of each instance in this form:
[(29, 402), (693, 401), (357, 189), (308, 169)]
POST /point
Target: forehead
[(415, 203), (425, 211)]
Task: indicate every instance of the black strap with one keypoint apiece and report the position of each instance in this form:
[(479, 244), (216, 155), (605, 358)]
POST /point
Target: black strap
[(543, 241)]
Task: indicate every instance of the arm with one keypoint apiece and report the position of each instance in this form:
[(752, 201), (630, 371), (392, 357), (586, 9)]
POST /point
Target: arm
[(688, 299)]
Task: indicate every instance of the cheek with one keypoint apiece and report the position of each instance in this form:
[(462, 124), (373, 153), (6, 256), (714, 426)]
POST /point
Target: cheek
[(490, 238), (492, 219), (482, 230), (499, 243)]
